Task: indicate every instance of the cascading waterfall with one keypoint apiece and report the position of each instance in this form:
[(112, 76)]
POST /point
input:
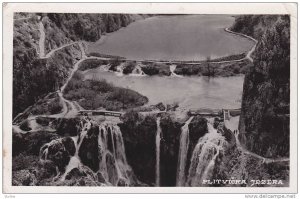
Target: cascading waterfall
[(112, 158), (115, 150), (157, 171), (120, 69), (204, 156), (183, 150), (172, 70), (137, 71)]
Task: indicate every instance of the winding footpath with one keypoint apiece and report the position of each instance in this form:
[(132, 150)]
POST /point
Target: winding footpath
[(264, 160), (232, 124), (69, 108), (42, 40)]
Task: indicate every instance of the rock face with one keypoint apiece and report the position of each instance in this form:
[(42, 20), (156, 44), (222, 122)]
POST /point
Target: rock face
[(169, 149), (197, 129), (139, 133), (139, 140), (88, 152), (264, 122), (59, 152)]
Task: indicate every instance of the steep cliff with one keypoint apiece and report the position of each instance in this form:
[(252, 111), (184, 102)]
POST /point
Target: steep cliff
[(139, 133), (264, 123)]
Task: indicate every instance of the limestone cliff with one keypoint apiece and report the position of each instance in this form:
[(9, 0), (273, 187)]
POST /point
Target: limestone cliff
[(264, 123)]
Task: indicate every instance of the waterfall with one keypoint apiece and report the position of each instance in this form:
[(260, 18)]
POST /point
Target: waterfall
[(183, 150), (111, 145), (75, 160), (120, 69), (111, 153), (204, 156), (172, 70), (137, 71), (158, 132)]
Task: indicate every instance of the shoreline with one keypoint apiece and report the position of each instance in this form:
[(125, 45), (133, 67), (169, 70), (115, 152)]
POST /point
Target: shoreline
[(190, 62)]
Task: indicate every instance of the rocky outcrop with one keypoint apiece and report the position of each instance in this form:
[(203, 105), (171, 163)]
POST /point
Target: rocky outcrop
[(169, 149), (58, 151), (264, 122), (139, 138), (88, 151), (197, 129)]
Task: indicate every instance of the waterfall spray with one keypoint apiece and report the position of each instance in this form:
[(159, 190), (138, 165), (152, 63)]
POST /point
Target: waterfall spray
[(182, 156), (158, 132), (204, 156), (112, 160)]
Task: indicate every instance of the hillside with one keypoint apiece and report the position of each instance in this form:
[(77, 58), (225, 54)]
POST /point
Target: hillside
[(35, 75), (264, 122)]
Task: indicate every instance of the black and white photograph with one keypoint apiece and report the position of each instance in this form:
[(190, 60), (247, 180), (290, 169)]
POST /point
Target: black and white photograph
[(150, 99)]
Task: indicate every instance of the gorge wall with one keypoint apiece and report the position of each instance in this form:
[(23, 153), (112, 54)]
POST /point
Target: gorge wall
[(264, 121), (35, 76), (139, 138)]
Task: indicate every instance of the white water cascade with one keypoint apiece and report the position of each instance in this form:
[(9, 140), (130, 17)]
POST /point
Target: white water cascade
[(112, 158), (137, 71), (120, 69), (157, 141), (183, 150), (172, 70), (204, 157)]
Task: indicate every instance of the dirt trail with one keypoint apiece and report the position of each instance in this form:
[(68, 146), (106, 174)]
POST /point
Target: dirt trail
[(232, 124), (42, 40), (59, 48)]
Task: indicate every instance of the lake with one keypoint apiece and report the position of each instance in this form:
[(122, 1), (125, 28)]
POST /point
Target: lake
[(188, 92), (186, 37)]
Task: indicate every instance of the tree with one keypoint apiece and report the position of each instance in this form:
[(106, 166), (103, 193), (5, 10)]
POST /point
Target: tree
[(210, 69)]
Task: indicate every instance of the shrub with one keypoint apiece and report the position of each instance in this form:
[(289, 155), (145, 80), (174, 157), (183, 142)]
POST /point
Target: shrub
[(91, 63), (129, 67), (94, 94)]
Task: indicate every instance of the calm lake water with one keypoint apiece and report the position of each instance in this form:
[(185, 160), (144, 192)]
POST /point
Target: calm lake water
[(189, 92), (186, 37)]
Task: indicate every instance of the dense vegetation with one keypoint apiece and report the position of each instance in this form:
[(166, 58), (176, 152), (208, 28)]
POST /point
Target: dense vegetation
[(152, 68), (98, 93), (214, 69), (34, 78), (47, 106), (253, 25), (266, 93), (91, 64), (96, 54)]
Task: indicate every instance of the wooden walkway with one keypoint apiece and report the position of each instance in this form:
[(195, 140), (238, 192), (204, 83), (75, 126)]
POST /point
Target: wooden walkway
[(226, 114), (98, 112)]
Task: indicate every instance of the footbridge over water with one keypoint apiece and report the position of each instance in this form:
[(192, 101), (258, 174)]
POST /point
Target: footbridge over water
[(225, 114), (100, 112)]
